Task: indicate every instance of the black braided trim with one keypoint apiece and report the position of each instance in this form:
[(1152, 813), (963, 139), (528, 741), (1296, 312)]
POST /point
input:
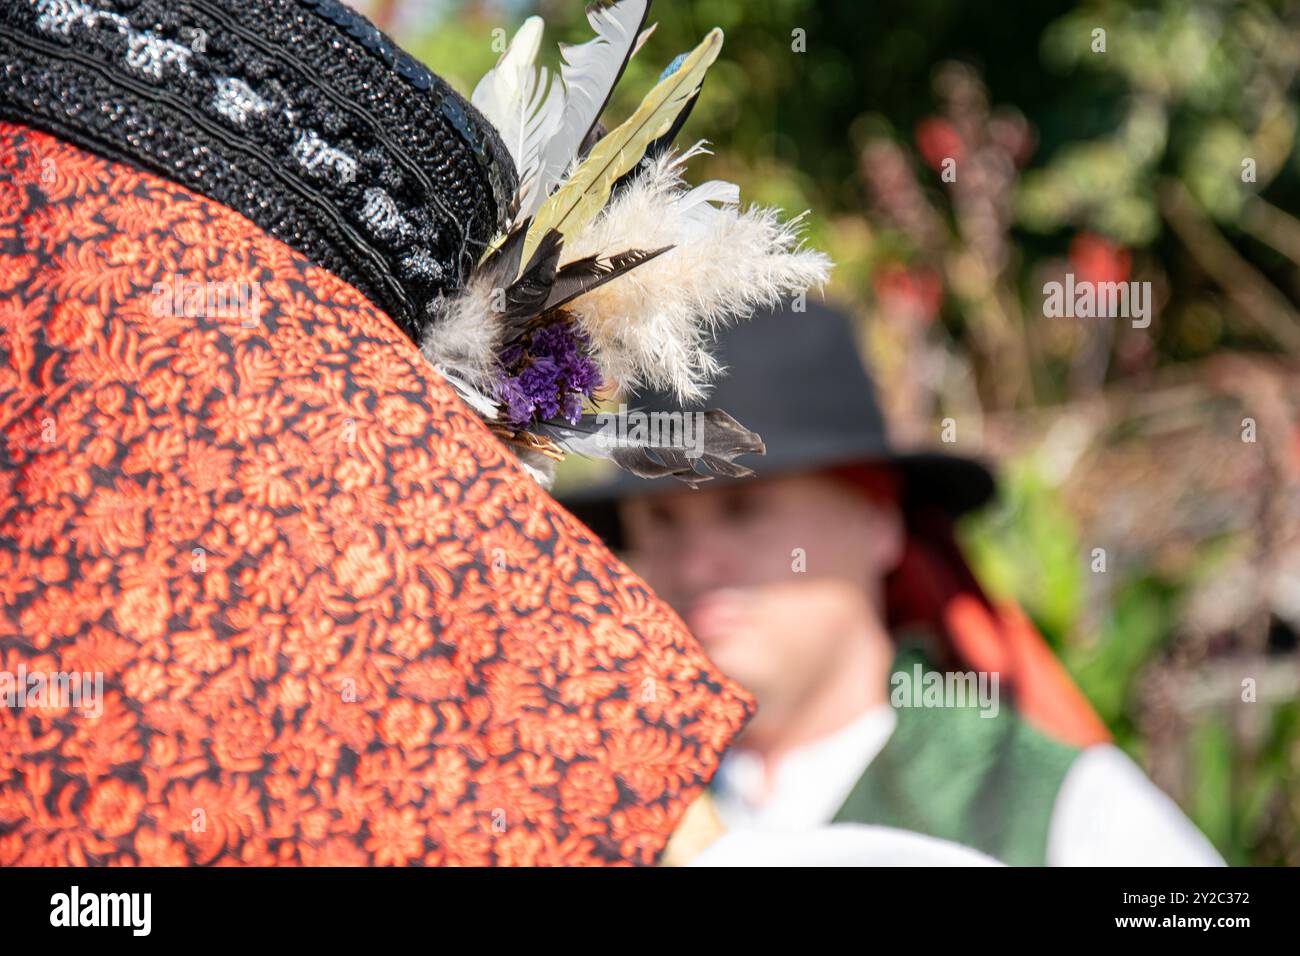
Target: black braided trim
[(299, 114)]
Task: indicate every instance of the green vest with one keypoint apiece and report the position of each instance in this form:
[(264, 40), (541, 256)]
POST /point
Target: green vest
[(985, 782)]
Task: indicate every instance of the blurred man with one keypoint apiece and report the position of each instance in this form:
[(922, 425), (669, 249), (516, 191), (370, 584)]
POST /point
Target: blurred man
[(891, 690)]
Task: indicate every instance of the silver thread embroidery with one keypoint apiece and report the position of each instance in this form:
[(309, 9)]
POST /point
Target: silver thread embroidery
[(237, 101), (383, 217), (313, 153)]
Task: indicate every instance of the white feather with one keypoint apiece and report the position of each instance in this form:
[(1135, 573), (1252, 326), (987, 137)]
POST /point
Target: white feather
[(653, 326), (588, 73), (500, 92), (645, 35), (714, 191), (523, 101), (538, 466), (475, 399)]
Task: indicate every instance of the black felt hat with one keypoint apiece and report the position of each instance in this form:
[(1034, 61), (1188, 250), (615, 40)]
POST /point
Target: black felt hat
[(797, 379)]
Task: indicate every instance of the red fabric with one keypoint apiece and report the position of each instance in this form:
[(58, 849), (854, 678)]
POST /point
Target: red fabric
[(335, 621), (1003, 639)]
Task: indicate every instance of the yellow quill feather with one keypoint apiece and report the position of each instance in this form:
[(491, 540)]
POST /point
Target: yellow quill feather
[(582, 198)]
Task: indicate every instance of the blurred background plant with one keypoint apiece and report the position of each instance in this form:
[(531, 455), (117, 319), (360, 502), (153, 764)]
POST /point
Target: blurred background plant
[(957, 157)]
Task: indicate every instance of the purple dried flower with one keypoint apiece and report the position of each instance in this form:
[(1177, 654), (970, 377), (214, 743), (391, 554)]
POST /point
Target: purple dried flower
[(510, 394), (548, 373), (572, 407), (511, 355)]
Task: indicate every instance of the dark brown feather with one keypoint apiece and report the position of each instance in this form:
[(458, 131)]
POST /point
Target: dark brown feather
[(527, 297), (722, 440), (582, 275)]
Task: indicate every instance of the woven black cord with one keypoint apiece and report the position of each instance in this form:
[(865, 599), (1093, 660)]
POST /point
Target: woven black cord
[(299, 114)]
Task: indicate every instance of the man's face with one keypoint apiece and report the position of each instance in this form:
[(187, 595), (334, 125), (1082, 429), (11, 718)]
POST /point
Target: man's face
[(774, 577)]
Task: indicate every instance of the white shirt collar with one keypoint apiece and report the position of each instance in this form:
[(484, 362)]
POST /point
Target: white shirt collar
[(811, 783)]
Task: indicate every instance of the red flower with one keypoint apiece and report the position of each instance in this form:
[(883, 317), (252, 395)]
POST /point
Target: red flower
[(910, 293), (1096, 259), (937, 139)]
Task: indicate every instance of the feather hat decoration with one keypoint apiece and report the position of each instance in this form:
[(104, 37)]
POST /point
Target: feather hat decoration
[(612, 267)]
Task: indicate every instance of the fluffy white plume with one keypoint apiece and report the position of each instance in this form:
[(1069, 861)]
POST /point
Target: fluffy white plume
[(651, 314), (653, 326), (462, 340)]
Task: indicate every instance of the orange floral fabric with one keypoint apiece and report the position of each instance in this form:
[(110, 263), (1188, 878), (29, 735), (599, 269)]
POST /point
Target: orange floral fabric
[(336, 623)]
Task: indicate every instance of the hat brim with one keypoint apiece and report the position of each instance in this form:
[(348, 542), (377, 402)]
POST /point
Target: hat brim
[(952, 483)]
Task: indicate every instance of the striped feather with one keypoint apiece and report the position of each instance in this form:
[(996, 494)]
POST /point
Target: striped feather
[(584, 195), (589, 73)]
